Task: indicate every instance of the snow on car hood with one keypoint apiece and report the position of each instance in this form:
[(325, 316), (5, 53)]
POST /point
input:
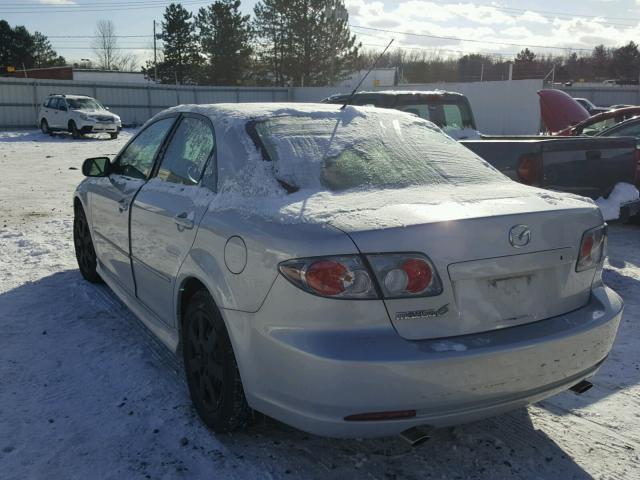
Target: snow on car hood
[(95, 112)]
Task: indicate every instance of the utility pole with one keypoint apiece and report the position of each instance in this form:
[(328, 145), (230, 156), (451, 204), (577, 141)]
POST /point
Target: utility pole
[(481, 71), (155, 56)]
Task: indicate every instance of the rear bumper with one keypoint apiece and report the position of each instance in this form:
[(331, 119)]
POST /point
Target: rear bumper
[(628, 210), (313, 380)]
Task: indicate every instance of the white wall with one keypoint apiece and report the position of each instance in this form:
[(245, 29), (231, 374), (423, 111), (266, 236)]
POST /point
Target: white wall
[(500, 108), (98, 76), (606, 95)]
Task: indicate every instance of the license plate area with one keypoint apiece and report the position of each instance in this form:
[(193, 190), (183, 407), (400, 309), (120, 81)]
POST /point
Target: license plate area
[(518, 289)]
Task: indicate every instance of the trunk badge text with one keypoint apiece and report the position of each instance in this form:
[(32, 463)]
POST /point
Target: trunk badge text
[(416, 314), (519, 236)]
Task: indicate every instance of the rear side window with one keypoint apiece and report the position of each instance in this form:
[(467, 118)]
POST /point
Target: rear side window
[(137, 159), (628, 131), (188, 152)]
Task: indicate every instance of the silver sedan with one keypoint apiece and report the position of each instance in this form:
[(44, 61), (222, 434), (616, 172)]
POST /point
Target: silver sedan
[(350, 272)]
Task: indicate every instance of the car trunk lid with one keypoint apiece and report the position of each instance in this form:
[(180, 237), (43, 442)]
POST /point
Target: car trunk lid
[(488, 283)]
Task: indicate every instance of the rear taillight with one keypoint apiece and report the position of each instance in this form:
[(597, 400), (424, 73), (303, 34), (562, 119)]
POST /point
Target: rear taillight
[(403, 275), (592, 248), (530, 169), (343, 276), (398, 275)]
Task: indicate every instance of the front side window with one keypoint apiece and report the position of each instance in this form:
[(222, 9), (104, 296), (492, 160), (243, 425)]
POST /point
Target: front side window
[(137, 159), (369, 151), (188, 152)]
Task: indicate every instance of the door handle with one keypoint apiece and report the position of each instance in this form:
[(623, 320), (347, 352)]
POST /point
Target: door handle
[(123, 204), (184, 220)]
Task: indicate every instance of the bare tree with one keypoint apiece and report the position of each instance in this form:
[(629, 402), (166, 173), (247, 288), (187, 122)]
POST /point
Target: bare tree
[(105, 47)]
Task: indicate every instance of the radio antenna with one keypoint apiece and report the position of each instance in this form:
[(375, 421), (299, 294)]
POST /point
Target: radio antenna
[(375, 64)]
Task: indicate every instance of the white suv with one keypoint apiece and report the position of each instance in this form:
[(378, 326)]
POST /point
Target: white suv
[(78, 115)]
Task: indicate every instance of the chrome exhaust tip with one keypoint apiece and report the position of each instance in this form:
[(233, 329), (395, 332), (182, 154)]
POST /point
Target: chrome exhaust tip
[(416, 435), (580, 388)]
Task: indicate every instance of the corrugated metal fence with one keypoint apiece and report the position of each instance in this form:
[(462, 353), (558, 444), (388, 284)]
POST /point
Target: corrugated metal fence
[(135, 103), (605, 96), (499, 107)]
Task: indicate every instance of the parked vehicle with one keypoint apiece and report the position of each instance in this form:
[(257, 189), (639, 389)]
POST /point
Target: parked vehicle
[(78, 115), (450, 111), (349, 272), (584, 166), (564, 116), (589, 106)]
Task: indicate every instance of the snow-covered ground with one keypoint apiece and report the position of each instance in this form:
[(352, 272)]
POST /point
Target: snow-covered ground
[(86, 392)]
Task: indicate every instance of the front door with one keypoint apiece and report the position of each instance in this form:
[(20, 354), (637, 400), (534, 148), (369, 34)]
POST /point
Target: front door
[(111, 199), (166, 213)]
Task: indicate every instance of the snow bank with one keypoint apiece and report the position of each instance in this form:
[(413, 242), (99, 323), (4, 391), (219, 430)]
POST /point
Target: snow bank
[(622, 193)]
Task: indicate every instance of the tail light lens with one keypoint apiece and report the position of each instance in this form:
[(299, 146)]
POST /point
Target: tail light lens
[(530, 169), (398, 275), (592, 248), (337, 277), (402, 275)]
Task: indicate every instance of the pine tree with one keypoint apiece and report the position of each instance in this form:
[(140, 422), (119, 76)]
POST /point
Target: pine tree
[(43, 53), (224, 35), (305, 42), (180, 46)]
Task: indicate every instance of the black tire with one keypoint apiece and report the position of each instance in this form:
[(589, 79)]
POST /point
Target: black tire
[(73, 128), (113, 135), (210, 367), (85, 253), (44, 126)]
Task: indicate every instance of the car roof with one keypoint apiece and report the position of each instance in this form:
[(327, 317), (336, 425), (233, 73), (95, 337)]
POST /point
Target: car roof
[(248, 111), (400, 93), (68, 96)]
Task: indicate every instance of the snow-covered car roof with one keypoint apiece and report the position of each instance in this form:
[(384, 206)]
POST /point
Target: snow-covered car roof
[(239, 112)]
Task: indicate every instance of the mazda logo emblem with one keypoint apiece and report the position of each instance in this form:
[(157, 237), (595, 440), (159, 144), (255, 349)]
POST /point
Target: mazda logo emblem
[(519, 236)]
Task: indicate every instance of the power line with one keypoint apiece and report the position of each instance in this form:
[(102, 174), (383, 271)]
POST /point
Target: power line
[(459, 39), (106, 8), (98, 36)]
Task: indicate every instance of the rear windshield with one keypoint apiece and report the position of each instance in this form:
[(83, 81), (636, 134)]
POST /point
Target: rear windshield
[(84, 104), (357, 150), (446, 114)]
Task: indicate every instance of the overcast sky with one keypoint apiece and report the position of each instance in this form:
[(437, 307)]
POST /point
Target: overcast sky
[(485, 26)]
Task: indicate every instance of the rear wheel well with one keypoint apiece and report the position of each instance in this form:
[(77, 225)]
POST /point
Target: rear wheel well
[(77, 205), (188, 289)]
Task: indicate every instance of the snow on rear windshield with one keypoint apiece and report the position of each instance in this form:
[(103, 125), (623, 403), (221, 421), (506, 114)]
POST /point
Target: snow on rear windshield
[(381, 150)]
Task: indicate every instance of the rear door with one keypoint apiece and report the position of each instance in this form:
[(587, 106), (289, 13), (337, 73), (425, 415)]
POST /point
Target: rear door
[(112, 196), (53, 116), (588, 167), (167, 211)]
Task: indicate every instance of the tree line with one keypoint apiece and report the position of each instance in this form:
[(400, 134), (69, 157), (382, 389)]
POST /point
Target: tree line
[(287, 42), (20, 48)]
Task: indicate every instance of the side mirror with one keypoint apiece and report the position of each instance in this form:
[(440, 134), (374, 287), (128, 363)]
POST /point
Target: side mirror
[(107, 108), (97, 167)]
